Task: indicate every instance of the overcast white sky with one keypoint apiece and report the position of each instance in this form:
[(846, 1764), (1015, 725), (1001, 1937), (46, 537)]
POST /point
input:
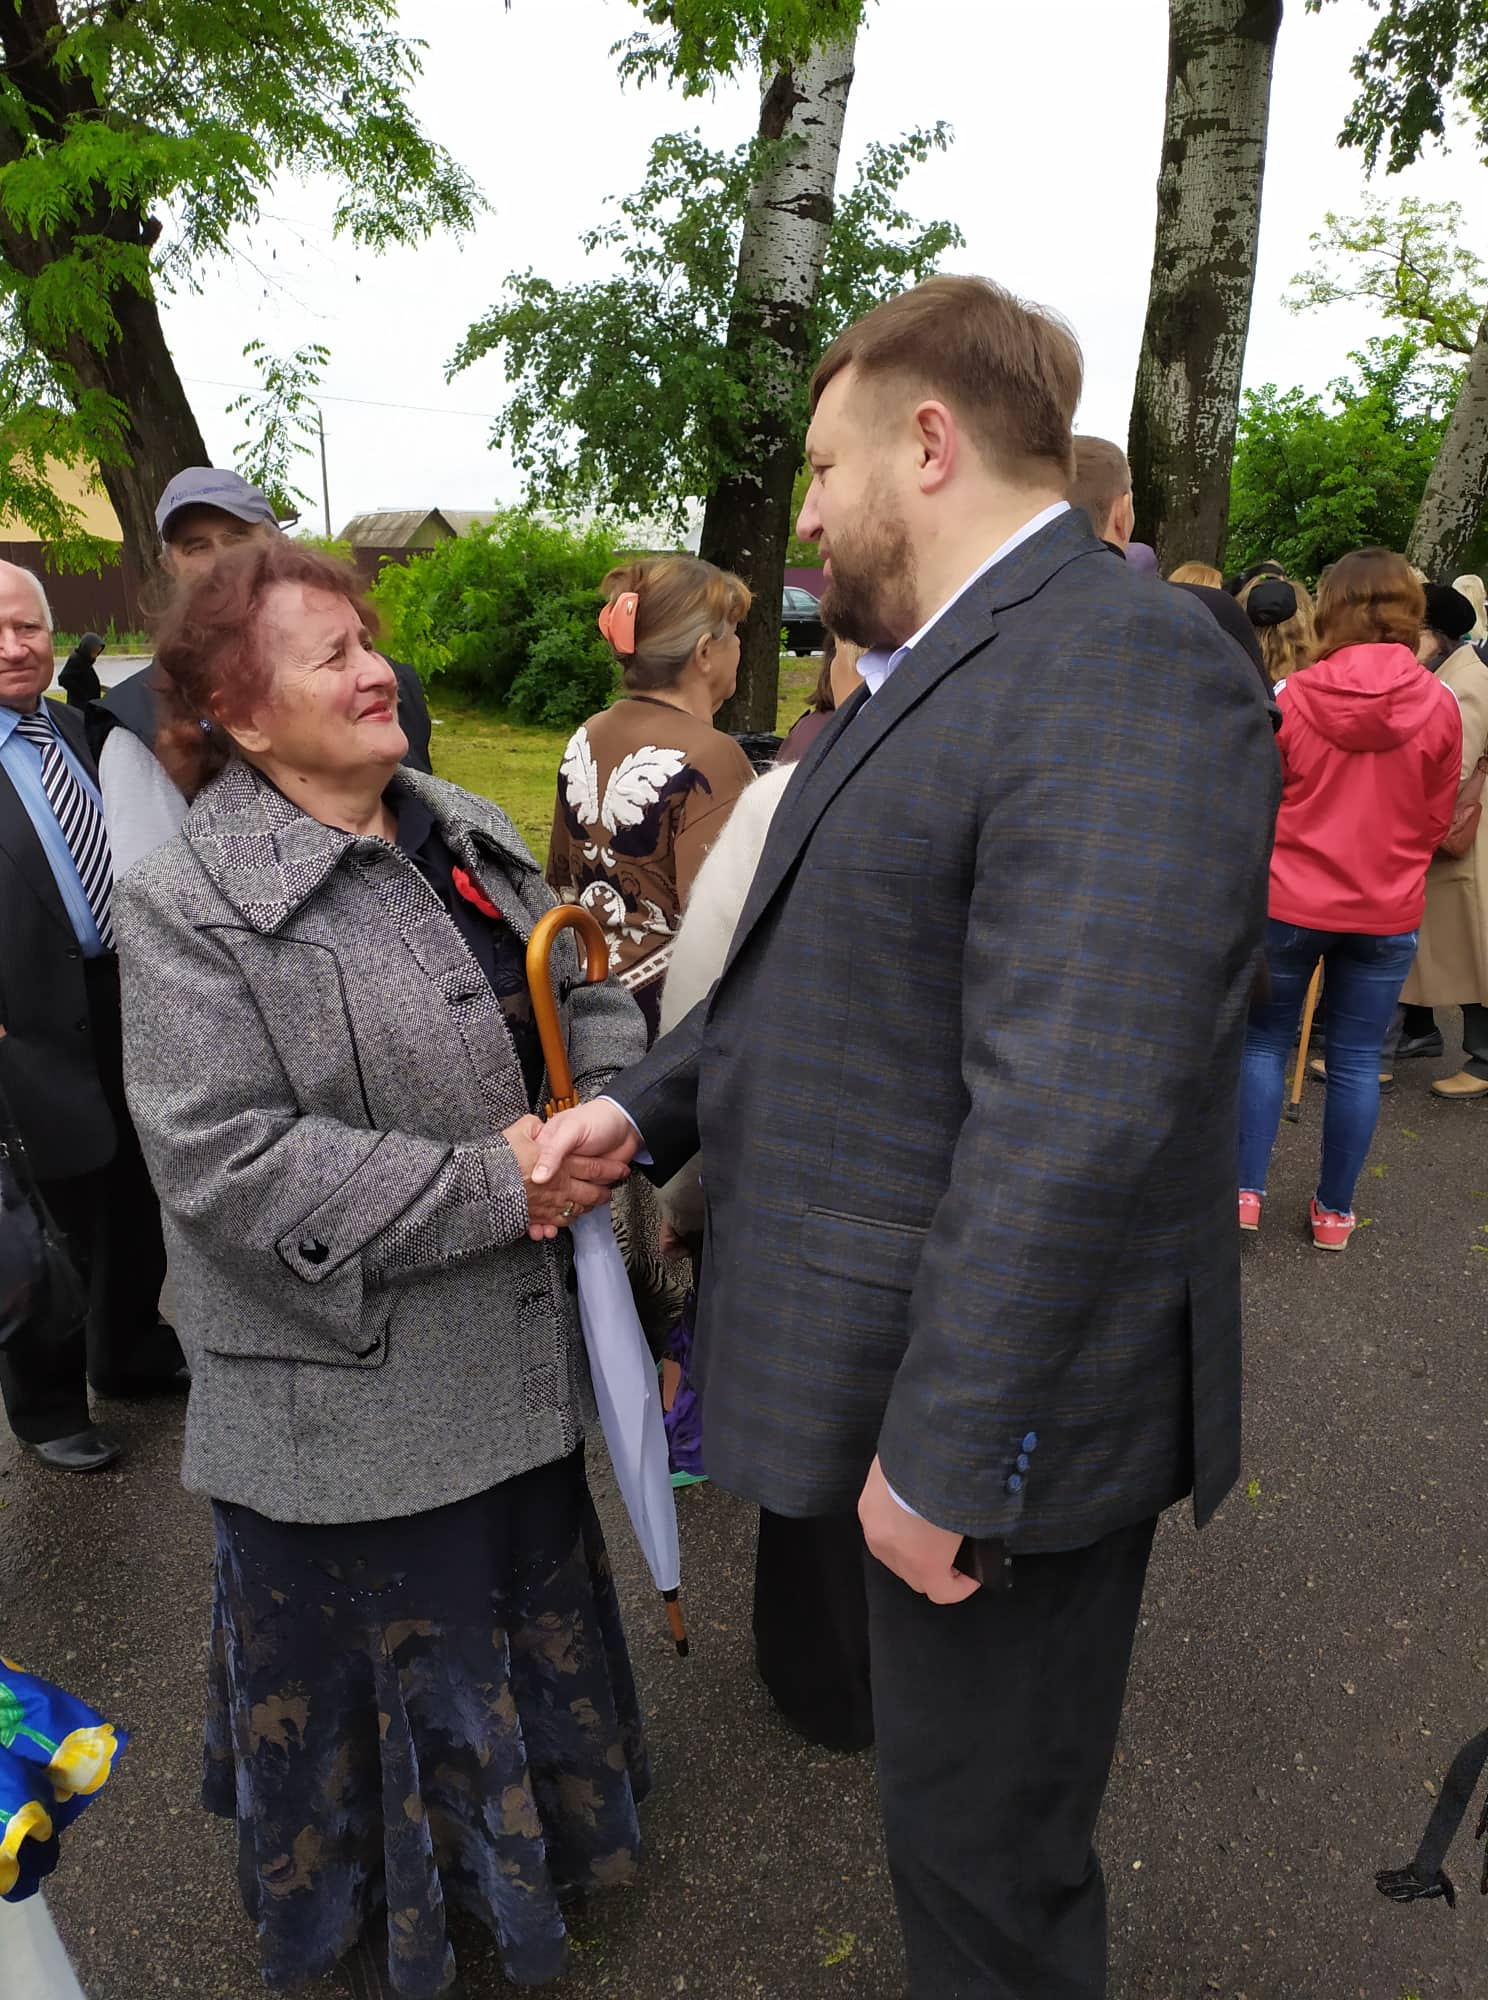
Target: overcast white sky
[(1057, 111)]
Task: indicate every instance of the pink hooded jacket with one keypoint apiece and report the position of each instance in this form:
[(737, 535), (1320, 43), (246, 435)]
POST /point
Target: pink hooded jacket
[(1371, 755)]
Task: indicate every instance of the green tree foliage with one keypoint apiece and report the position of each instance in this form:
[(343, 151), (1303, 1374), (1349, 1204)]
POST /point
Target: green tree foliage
[(1406, 258), (696, 42), (1423, 59), (1315, 476), (509, 613), (135, 137), (279, 420), (625, 394)]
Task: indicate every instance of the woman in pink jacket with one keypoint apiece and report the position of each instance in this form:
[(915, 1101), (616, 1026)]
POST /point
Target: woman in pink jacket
[(1371, 747)]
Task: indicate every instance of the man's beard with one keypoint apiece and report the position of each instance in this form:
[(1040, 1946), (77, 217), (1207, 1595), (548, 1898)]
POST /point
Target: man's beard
[(872, 598)]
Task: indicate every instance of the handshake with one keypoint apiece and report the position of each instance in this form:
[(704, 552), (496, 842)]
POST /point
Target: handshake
[(569, 1165)]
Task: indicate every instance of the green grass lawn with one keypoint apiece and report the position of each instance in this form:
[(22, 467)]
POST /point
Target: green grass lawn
[(516, 763)]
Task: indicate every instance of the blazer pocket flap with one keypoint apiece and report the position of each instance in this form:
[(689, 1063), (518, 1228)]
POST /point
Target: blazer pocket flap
[(866, 1249), (305, 1343), (889, 854)]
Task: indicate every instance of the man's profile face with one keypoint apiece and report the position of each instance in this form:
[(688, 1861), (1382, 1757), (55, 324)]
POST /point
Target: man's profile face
[(855, 510), (198, 535), (26, 658)]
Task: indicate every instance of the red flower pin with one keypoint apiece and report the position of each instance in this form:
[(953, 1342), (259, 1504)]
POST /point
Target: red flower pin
[(474, 893)]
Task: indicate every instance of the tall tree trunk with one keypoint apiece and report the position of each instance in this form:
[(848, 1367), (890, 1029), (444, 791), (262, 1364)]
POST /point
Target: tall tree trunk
[(747, 521), (161, 434), (134, 366), (1451, 509), (1220, 55)]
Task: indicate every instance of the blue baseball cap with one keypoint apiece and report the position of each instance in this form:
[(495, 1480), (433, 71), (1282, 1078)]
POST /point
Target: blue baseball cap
[(210, 486)]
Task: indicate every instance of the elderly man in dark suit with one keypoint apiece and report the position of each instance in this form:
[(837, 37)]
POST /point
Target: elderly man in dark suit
[(972, 1263), (60, 1061)]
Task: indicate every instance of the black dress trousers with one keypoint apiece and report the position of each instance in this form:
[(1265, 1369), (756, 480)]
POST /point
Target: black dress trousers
[(996, 1723), (111, 1220)]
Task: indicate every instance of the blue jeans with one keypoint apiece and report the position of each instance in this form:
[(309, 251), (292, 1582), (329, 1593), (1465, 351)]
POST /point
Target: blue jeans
[(1363, 977)]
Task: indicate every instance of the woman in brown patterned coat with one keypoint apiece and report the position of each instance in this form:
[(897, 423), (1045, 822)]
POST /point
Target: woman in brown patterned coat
[(646, 787)]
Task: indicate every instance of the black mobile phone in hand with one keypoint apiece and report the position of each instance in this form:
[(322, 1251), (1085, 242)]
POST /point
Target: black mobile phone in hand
[(987, 1561)]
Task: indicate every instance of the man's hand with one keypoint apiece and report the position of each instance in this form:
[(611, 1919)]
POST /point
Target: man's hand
[(591, 1132), (579, 1184), (924, 1556)]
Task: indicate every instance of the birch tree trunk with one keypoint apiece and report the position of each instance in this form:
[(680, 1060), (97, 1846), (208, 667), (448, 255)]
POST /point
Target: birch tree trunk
[(1451, 509), (746, 524), (1220, 54)]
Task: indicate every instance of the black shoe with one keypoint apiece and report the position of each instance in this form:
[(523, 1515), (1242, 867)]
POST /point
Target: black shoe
[(85, 1451), (1419, 1045)]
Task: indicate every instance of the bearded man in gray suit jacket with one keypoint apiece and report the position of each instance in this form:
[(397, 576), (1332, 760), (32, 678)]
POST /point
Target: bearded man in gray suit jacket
[(972, 1261)]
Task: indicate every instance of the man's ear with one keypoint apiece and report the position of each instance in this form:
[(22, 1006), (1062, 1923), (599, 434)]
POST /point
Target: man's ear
[(939, 443), (1123, 520)]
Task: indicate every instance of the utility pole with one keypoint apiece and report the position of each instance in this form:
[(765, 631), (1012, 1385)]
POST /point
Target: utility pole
[(325, 478)]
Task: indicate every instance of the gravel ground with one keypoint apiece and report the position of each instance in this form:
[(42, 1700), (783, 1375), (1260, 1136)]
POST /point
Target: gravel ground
[(1304, 1673)]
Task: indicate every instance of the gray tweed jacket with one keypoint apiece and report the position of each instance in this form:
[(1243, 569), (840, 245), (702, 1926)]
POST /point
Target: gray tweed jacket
[(320, 1075)]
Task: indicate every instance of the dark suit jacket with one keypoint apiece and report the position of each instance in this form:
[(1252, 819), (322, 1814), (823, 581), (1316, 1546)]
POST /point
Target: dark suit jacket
[(966, 1090), (48, 1058)]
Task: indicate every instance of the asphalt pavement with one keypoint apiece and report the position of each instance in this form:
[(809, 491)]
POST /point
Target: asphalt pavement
[(1305, 1670)]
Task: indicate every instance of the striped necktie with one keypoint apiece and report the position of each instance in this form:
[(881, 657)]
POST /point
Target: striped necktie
[(80, 820)]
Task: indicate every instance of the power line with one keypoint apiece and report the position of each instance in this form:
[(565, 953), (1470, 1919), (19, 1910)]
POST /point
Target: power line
[(364, 402)]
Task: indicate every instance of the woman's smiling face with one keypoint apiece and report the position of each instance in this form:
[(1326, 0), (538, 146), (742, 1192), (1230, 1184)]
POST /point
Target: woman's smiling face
[(333, 704)]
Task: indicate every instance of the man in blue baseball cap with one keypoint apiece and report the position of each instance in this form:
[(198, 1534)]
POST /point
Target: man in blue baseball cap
[(205, 510)]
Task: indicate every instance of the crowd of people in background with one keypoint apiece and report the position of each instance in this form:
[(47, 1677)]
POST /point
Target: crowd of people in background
[(875, 1033)]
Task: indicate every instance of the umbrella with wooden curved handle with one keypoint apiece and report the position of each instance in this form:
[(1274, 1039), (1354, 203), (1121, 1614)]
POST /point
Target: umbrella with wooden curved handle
[(625, 1385), (596, 954), (1292, 1109)]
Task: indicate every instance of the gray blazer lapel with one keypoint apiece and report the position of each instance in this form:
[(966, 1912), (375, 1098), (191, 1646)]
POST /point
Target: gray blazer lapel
[(969, 625)]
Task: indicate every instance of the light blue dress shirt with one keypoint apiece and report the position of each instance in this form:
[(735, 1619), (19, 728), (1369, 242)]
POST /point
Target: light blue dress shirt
[(21, 763)]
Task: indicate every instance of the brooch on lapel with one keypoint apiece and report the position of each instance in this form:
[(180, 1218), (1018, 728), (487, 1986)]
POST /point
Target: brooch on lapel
[(473, 893)]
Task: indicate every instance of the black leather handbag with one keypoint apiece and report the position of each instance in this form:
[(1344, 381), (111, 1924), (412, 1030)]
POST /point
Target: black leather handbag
[(42, 1296)]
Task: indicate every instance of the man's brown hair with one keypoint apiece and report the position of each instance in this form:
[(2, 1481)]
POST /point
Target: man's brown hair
[(1011, 372), (1102, 477), (1367, 598)]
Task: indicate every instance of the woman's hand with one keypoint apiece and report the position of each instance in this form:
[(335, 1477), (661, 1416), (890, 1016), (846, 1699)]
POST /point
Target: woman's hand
[(577, 1186)]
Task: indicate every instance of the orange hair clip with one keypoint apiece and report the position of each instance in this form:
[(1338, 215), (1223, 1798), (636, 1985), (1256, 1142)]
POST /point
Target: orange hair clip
[(618, 622)]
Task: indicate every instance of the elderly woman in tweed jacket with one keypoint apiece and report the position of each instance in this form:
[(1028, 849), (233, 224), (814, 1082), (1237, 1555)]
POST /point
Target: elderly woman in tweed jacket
[(420, 1688)]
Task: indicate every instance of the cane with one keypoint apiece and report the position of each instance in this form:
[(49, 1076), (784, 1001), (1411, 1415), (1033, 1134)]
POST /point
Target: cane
[(1293, 1108), (624, 1377)]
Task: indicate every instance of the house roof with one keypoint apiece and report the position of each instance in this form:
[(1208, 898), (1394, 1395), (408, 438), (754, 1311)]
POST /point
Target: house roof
[(395, 528)]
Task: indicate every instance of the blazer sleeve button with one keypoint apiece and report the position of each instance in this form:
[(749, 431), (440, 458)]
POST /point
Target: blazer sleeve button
[(1015, 1482), (313, 1250)]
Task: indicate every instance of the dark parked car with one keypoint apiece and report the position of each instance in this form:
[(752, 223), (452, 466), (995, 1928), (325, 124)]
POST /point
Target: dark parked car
[(800, 614)]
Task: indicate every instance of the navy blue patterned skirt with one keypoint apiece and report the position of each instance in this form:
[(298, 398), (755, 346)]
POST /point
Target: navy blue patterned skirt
[(413, 1714)]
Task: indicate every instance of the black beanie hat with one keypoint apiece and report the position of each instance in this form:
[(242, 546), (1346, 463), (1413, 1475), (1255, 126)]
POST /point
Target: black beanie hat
[(1448, 611), (1271, 602)]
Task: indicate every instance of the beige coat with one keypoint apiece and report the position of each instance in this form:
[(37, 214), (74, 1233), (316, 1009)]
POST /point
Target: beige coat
[(718, 895), (1451, 966)]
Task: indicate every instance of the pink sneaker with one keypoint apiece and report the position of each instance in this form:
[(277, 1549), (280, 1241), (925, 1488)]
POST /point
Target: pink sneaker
[(1330, 1231), (1250, 1211)]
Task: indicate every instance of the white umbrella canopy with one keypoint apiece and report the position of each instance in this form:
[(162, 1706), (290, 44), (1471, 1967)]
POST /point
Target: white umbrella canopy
[(626, 1388)]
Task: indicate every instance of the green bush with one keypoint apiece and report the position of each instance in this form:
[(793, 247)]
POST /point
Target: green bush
[(507, 614)]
